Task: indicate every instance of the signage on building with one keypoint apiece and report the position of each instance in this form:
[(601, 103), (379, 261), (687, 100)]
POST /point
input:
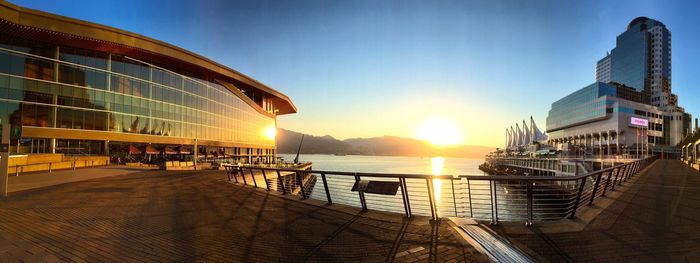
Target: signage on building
[(639, 122)]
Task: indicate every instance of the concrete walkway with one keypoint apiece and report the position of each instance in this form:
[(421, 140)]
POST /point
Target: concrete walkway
[(657, 219), (199, 216)]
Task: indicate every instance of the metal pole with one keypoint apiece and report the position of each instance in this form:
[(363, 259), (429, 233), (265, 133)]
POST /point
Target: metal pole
[(325, 186), (255, 182), (578, 197), (360, 193), (301, 184), (595, 187), (403, 197), (530, 200), (281, 180), (430, 198), (408, 199), (265, 178), (469, 187), (4, 158), (245, 182), (454, 199)]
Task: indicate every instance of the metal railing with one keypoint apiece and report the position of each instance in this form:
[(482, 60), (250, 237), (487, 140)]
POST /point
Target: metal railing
[(51, 166), (488, 198)]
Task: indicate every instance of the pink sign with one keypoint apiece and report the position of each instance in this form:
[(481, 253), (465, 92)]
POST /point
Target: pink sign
[(639, 122)]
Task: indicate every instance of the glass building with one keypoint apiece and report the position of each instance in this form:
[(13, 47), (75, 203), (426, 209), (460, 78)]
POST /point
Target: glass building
[(74, 87), (633, 85)]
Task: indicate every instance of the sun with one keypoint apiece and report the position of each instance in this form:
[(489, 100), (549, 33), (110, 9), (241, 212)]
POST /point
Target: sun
[(439, 131), (270, 133)]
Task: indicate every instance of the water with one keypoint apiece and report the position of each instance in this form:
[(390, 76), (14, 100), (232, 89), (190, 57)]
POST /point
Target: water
[(389, 164), (447, 203)]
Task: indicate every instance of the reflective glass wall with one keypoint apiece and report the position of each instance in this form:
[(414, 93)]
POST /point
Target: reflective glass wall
[(44, 85)]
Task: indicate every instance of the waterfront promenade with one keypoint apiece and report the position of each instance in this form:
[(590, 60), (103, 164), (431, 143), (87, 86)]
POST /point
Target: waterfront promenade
[(199, 216), (656, 218)]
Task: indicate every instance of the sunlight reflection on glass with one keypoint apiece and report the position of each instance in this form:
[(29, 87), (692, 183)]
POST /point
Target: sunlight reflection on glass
[(437, 164)]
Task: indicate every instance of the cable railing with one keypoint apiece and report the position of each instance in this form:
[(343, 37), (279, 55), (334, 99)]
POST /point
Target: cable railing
[(491, 198)]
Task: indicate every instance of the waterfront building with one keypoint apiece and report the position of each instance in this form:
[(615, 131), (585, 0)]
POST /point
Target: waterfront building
[(75, 87), (631, 105), (602, 70)]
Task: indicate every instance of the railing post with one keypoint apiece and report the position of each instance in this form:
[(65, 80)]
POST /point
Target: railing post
[(245, 182), (360, 193), (281, 180), (408, 198), (454, 198), (300, 182), (578, 197), (328, 191), (406, 209), (255, 182), (595, 187), (530, 201), (433, 212), (267, 185), (233, 173), (494, 202), (469, 187), (624, 168)]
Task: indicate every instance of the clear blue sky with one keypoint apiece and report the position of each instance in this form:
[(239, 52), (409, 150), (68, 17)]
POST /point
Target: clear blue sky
[(373, 68)]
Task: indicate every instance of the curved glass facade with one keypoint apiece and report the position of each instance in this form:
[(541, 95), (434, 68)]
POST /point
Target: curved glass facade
[(44, 85)]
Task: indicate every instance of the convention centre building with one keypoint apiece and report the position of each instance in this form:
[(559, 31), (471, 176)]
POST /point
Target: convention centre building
[(78, 88)]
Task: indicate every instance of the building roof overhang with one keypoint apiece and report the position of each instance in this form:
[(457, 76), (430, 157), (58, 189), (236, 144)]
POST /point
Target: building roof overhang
[(42, 26)]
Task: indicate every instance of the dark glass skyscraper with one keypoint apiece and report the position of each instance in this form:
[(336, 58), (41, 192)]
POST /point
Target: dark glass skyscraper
[(641, 60)]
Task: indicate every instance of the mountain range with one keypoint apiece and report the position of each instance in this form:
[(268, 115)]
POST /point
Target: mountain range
[(288, 143)]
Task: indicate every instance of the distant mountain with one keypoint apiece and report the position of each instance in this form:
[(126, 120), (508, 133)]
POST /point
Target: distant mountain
[(288, 142)]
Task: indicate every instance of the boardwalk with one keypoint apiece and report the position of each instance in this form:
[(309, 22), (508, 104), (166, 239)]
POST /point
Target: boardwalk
[(197, 215), (656, 219)]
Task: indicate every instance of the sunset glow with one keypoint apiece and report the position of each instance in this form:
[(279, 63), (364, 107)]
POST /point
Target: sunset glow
[(439, 131), (270, 132)]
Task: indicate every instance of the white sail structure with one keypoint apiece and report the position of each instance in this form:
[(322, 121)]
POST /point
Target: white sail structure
[(537, 135), (527, 135)]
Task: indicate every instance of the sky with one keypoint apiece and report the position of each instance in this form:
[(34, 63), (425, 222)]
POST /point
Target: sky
[(375, 68)]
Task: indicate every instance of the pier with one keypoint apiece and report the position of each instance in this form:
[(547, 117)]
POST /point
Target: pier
[(176, 216), (654, 217)]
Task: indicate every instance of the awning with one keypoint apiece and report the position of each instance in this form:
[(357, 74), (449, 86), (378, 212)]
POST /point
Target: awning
[(170, 150), (184, 150), (151, 150), (134, 150)]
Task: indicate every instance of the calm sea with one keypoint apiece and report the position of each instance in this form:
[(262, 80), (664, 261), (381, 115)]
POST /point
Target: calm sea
[(340, 186), (389, 164)]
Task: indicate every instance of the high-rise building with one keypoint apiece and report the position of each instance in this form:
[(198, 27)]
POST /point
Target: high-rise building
[(602, 70), (641, 59), (638, 91)]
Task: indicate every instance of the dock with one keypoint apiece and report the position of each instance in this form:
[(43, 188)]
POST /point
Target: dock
[(655, 217), (177, 216)]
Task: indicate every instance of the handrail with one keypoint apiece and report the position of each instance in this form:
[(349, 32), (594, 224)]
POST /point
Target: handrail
[(344, 173), (503, 197)]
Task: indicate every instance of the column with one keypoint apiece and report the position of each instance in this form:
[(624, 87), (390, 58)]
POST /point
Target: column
[(52, 145), (196, 153), (4, 159), (106, 151)]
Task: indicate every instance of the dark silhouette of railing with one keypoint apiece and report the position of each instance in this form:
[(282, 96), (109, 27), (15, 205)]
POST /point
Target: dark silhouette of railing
[(493, 198)]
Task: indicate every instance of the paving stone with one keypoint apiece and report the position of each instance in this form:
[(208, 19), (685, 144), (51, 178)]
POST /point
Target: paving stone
[(656, 219), (174, 216)]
